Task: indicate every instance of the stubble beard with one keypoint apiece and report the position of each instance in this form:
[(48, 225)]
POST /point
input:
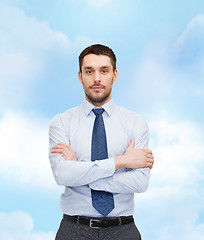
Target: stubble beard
[(101, 99), (97, 100)]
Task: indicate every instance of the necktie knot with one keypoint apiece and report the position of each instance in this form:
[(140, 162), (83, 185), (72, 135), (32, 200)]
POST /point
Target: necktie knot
[(98, 111)]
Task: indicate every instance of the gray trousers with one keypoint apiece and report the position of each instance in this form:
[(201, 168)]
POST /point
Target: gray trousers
[(74, 231)]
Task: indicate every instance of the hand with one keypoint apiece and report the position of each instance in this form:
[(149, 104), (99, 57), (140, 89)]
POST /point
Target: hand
[(134, 158), (65, 151), (138, 158)]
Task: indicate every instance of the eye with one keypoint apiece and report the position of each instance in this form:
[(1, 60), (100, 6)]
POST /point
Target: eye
[(89, 72), (104, 71)]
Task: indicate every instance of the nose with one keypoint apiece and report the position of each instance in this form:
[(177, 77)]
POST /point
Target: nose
[(97, 77)]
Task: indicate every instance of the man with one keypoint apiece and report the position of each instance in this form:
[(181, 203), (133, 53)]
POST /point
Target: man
[(99, 152)]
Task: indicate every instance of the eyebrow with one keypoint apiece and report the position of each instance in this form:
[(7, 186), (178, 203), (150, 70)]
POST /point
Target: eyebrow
[(105, 67), (88, 68), (93, 67)]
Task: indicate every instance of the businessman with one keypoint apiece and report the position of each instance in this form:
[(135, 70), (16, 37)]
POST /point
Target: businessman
[(99, 153)]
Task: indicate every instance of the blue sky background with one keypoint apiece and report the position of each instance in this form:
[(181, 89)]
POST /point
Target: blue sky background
[(160, 51)]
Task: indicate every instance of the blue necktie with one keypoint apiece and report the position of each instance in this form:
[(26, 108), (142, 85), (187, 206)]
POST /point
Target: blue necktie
[(102, 201)]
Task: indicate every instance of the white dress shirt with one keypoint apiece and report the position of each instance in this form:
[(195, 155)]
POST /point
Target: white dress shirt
[(75, 127)]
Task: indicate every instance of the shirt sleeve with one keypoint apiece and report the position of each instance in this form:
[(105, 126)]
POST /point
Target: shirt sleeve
[(131, 180), (74, 173)]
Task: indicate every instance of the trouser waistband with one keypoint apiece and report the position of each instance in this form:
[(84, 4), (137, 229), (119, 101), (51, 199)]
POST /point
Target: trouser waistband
[(102, 222)]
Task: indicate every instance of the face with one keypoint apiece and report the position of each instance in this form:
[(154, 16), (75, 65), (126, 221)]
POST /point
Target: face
[(97, 77)]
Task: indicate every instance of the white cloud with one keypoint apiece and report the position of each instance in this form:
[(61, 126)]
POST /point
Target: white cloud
[(194, 29), (153, 74), (171, 208), (171, 74), (179, 148), (27, 33), (189, 46), (24, 150), (153, 80), (19, 226), (25, 47)]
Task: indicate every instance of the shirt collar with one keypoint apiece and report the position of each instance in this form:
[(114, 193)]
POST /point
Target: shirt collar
[(87, 107)]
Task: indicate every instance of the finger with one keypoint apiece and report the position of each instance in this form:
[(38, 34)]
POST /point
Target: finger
[(58, 147), (58, 151), (132, 144), (55, 146), (148, 151), (148, 155), (69, 147), (65, 145), (151, 161), (61, 147), (150, 165), (62, 155), (65, 149)]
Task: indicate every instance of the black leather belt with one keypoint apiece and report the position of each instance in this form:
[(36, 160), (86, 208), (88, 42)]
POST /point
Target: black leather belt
[(103, 222)]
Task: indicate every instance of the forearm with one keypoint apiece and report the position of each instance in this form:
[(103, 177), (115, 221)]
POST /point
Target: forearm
[(70, 172), (132, 181), (78, 173)]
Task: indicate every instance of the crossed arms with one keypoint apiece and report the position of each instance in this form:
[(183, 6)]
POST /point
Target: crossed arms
[(100, 175), (132, 158)]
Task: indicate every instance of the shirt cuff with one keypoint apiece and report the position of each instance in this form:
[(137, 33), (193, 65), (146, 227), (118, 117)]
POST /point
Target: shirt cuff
[(108, 166)]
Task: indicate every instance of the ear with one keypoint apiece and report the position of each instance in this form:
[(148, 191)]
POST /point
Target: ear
[(115, 75), (80, 77)]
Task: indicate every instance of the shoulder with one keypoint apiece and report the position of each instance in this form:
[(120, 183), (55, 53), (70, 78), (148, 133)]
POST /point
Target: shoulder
[(132, 120), (129, 114), (65, 116)]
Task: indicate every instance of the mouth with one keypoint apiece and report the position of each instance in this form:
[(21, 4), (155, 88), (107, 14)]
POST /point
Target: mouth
[(97, 88)]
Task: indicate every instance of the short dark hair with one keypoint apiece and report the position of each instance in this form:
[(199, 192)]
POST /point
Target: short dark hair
[(98, 49)]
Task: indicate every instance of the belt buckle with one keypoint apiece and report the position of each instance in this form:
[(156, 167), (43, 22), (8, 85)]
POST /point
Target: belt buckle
[(93, 221)]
